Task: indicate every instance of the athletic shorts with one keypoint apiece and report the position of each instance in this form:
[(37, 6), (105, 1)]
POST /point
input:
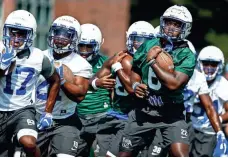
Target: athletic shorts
[(14, 125), (141, 129)]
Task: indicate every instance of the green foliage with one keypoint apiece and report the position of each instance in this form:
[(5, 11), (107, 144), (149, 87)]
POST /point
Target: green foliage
[(221, 41), (210, 19)]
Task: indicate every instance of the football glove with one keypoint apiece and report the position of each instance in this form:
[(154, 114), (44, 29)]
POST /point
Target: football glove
[(221, 146), (7, 56), (45, 121)]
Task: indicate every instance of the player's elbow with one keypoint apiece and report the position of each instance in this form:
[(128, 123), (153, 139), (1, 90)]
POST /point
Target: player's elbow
[(173, 87), (79, 99)]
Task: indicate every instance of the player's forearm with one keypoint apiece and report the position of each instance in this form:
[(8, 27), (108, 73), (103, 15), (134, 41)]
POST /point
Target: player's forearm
[(54, 87), (167, 79), (125, 80), (210, 111), (74, 92), (214, 119)]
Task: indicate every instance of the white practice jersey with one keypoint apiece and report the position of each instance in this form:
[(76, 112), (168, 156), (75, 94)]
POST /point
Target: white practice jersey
[(64, 107), (199, 117), (197, 85), (18, 87)]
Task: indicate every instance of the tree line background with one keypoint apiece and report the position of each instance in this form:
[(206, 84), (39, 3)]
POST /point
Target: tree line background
[(210, 19)]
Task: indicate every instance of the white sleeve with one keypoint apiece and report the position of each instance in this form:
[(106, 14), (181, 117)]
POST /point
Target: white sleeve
[(221, 89), (203, 85), (85, 72)]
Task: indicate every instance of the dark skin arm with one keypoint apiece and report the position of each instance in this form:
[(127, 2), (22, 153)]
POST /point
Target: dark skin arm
[(141, 90), (174, 80), (125, 73), (104, 74), (207, 103), (104, 79), (53, 91), (225, 115), (76, 91)]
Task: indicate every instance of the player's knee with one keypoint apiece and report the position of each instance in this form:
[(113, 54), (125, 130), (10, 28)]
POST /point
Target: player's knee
[(28, 142), (179, 150)]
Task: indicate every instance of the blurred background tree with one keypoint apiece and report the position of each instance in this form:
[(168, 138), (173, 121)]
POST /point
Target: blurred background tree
[(210, 19)]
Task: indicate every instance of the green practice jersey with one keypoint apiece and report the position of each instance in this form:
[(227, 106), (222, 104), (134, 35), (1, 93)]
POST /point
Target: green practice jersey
[(122, 102), (184, 61), (96, 101)]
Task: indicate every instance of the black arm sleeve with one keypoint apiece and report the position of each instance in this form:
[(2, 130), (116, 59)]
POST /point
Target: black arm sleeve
[(47, 68)]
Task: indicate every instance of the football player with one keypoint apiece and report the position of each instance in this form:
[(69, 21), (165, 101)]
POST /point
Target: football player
[(17, 110), (120, 67), (207, 132), (161, 96), (93, 109), (60, 134)]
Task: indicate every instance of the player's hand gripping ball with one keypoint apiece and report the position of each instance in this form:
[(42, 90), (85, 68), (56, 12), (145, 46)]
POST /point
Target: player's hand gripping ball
[(163, 59)]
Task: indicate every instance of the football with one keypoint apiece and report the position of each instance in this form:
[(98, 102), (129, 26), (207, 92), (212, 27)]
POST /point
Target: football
[(165, 61)]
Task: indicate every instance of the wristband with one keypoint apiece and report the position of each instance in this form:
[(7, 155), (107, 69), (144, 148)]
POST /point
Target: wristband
[(134, 85), (94, 84), (117, 66), (151, 62)]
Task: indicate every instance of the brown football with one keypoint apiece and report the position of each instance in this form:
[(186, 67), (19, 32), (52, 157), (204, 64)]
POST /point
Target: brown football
[(165, 61)]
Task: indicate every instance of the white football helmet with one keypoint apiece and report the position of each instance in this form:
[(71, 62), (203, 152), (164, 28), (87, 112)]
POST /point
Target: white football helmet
[(213, 54), (91, 35), (181, 14), (157, 30), (64, 34), (138, 31), (20, 20)]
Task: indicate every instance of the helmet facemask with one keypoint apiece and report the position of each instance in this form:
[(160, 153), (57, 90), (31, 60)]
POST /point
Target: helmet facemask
[(135, 40), (210, 68), (62, 39), (173, 28), (88, 50), (19, 38)]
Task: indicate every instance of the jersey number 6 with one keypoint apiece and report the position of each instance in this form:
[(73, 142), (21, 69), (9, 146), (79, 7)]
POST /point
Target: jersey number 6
[(153, 82)]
